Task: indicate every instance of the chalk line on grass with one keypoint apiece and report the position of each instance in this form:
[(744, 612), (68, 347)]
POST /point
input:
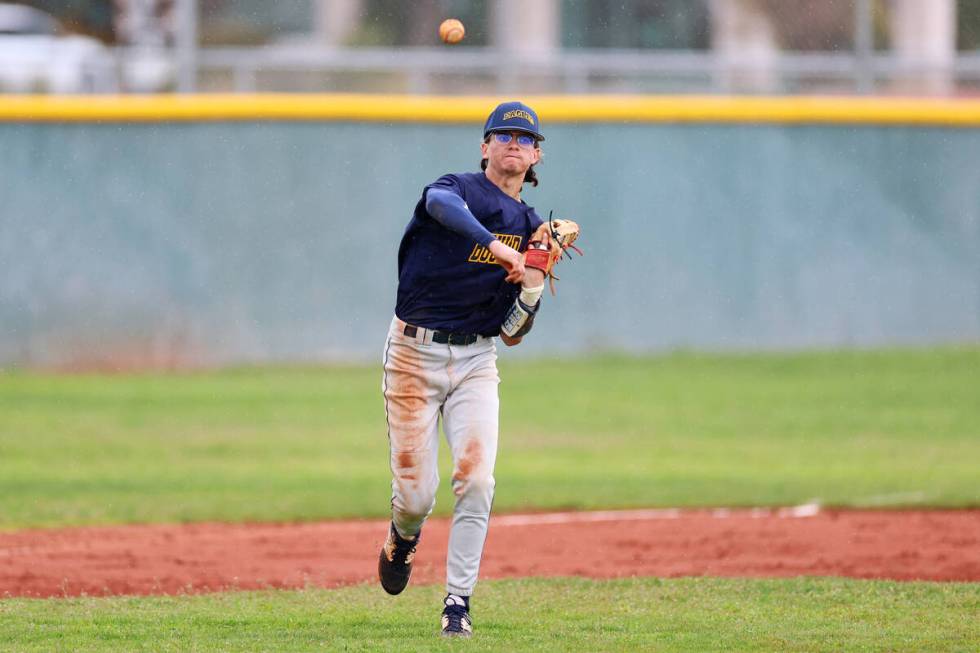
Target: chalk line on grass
[(795, 512)]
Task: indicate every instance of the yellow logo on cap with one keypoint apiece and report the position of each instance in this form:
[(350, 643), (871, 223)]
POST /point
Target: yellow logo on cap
[(519, 113)]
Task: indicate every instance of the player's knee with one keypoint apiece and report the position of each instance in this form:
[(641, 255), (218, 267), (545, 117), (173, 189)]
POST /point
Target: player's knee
[(477, 491), (482, 484), (417, 505)]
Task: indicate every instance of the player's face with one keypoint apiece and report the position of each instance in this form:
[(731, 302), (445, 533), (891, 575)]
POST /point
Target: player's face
[(511, 153)]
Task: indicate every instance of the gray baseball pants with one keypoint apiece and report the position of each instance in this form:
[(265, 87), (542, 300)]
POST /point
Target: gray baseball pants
[(423, 381)]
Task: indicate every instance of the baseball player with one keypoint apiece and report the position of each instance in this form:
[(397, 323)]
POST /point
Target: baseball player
[(471, 266)]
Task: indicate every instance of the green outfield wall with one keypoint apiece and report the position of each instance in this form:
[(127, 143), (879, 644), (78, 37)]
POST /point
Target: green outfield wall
[(211, 240)]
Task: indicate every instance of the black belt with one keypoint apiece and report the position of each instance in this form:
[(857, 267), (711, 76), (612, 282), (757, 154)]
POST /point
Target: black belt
[(444, 337)]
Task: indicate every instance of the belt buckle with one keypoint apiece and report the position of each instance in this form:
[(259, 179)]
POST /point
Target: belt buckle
[(442, 337)]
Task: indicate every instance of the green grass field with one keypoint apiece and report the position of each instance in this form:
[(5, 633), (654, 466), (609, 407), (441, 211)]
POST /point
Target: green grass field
[(883, 428), (696, 615), (887, 428)]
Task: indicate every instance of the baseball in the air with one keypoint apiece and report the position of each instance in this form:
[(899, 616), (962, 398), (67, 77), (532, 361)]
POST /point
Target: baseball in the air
[(451, 31)]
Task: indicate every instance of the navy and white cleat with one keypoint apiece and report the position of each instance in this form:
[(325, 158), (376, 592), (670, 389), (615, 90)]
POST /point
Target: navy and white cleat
[(456, 620)]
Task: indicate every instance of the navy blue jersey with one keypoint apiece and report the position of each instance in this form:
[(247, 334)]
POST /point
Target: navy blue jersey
[(447, 281)]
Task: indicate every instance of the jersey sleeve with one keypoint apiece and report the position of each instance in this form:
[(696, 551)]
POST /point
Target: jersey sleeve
[(447, 182), (445, 202), (534, 221)]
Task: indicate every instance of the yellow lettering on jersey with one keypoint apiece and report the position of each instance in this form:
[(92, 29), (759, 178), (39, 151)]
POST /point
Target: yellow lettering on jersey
[(481, 254)]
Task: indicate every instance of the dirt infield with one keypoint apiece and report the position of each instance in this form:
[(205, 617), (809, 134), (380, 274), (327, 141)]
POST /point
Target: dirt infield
[(169, 559)]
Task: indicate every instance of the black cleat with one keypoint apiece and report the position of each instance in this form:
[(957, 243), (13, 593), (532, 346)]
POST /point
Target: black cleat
[(456, 620), (395, 561)]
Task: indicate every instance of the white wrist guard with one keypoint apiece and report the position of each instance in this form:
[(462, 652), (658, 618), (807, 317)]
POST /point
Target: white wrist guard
[(519, 318), (530, 296)]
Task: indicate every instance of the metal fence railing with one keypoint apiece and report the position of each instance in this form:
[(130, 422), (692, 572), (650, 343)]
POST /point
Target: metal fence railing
[(420, 71), (425, 70)]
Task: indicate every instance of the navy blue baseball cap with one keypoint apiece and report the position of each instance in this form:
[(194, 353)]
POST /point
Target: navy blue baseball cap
[(513, 116)]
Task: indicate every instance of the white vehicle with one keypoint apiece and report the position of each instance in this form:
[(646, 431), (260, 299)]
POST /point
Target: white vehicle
[(34, 58)]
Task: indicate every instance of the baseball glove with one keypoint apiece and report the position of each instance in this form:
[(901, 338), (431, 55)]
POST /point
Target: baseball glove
[(548, 242)]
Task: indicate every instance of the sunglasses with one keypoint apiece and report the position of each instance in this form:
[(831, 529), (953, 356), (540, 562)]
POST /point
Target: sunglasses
[(524, 140)]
